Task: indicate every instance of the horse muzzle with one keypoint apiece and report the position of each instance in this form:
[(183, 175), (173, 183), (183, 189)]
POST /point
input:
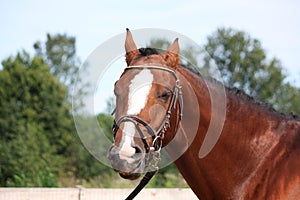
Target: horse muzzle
[(129, 167)]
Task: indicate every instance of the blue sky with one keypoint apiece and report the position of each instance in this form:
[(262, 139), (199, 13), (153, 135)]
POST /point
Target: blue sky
[(275, 23)]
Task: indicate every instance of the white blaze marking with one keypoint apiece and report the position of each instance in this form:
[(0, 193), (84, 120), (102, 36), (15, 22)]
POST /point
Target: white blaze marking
[(127, 150), (139, 90)]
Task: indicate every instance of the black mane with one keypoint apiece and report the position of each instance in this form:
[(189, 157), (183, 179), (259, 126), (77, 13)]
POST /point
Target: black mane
[(264, 105), (246, 97)]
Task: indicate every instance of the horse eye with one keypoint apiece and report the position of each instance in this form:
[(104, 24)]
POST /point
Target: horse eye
[(165, 96)]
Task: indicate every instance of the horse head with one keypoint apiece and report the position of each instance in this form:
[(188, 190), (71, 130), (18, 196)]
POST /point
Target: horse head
[(148, 107)]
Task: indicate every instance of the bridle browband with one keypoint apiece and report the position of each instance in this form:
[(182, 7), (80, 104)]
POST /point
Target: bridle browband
[(157, 135)]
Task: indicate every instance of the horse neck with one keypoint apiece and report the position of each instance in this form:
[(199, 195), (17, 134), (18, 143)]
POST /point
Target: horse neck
[(246, 138)]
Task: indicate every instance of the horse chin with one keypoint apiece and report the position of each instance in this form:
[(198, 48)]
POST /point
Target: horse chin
[(135, 173), (130, 176)]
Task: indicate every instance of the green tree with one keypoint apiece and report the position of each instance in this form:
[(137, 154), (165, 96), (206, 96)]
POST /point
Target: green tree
[(38, 141), (28, 160), (86, 165), (106, 123), (243, 64), (59, 53), (35, 123)]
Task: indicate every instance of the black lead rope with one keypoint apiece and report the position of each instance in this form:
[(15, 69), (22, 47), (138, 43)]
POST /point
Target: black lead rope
[(141, 185)]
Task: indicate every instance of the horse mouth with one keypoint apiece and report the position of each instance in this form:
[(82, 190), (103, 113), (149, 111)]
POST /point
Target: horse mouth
[(133, 174), (131, 168), (129, 176)]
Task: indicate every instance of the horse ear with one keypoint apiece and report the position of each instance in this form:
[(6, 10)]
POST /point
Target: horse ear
[(171, 56), (130, 47), (174, 48)]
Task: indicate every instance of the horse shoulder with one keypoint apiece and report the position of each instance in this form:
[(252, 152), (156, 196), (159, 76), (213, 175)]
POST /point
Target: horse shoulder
[(278, 175)]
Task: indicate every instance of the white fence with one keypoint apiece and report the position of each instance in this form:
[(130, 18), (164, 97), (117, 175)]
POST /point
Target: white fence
[(92, 194)]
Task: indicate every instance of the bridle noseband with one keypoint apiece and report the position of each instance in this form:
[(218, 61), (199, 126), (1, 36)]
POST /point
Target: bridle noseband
[(153, 151), (157, 135)]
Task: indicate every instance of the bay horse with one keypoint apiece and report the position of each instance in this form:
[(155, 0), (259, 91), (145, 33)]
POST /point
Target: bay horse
[(256, 156)]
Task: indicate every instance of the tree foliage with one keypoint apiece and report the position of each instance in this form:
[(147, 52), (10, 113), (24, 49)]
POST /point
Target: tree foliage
[(59, 53), (38, 141), (243, 63), (34, 120)]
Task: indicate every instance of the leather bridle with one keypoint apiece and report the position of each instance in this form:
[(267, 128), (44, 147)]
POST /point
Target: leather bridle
[(157, 135)]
